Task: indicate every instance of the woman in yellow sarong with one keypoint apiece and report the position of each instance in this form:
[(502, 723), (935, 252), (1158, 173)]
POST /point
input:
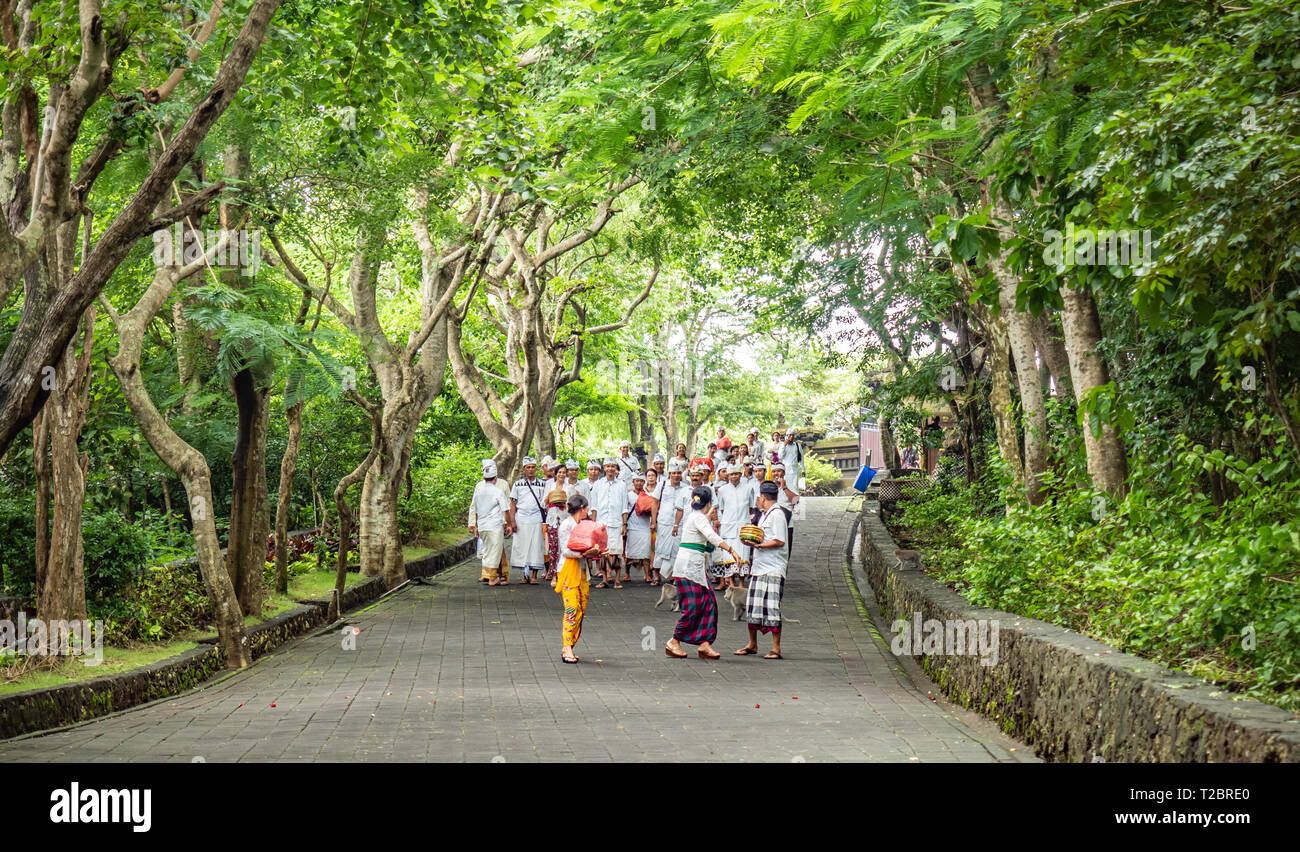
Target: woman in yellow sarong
[(571, 583)]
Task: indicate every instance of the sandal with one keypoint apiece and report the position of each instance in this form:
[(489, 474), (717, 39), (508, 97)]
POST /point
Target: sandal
[(570, 660), (773, 656), (678, 656), (744, 652), (601, 585), (713, 656), (618, 585)]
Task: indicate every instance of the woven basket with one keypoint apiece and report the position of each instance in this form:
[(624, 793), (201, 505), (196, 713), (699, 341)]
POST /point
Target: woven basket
[(751, 534)]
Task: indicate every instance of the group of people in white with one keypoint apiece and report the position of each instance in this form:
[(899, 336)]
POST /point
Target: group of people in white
[(691, 520)]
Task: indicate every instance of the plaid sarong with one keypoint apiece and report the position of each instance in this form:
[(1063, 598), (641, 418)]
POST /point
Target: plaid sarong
[(699, 620), (763, 603)]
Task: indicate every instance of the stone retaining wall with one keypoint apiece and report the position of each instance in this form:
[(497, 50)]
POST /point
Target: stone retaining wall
[(68, 704), (1071, 697)]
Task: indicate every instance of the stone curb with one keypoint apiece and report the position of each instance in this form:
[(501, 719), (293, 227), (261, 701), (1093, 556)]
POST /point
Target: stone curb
[(1069, 696), (69, 704)]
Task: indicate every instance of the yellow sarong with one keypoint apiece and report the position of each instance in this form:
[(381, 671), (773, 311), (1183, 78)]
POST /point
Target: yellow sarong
[(573, 588)]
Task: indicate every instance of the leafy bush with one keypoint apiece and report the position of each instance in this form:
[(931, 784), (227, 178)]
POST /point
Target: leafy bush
[(820, 476), (1165, 573), (157, 606), (115, 553), (17, 545), (442, 487)]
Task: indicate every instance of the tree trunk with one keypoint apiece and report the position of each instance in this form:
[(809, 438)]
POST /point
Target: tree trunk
[(647, 430), (984, 97), (1021, 339), (345, 517), (63, 595), (288, 464), (1107, 464), (249, 520), (183, 460), (1050, 344), (41, 468), (246, 544), (546, 429), (998, 344)]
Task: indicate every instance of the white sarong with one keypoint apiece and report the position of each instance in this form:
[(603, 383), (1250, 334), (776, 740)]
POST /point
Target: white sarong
[(493, 542), (638, 544), (528, 549), (615, 540)]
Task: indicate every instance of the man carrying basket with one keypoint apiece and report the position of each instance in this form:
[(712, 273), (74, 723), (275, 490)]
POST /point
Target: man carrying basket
[(766, 574)]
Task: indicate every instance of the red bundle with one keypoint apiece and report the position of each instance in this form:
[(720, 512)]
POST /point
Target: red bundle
[(645, 504), (589, 534)]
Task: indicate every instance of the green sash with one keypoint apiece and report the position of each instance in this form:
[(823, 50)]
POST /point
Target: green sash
[(700, 547)]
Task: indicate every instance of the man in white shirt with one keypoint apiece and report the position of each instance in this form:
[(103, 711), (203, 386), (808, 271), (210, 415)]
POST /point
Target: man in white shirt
[(628, 464), (657, 464), (790, 458), (527, 513), (593, 476), (756, 447), (674, 502), (609, 507), (787, 498), (767, 575), (749, 479), (734, 503), (571, 483), (487, 520), (636, 545)]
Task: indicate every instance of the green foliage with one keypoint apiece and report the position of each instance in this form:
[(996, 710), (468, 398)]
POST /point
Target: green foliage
[(115, 553), (1165, 573), (443, 484), (17, 545), (820, 476), (163, 603)]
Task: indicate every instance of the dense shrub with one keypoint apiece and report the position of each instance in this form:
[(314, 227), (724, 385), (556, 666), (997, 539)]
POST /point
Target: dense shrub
[(442, 487), (115, 553), (821, 477), (156, 607), (1165, 573), (17, 545)]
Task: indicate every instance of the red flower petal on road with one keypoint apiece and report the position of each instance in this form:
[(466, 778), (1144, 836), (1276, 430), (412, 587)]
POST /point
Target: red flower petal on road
[(755, 706)]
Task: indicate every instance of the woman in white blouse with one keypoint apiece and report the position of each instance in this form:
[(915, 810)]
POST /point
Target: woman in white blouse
[(698, 624)]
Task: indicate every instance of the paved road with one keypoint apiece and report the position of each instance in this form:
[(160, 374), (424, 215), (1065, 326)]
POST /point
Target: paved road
[(458, 671)]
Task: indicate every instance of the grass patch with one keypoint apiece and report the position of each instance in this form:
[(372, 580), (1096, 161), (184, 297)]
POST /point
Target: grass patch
[(115, 660)]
